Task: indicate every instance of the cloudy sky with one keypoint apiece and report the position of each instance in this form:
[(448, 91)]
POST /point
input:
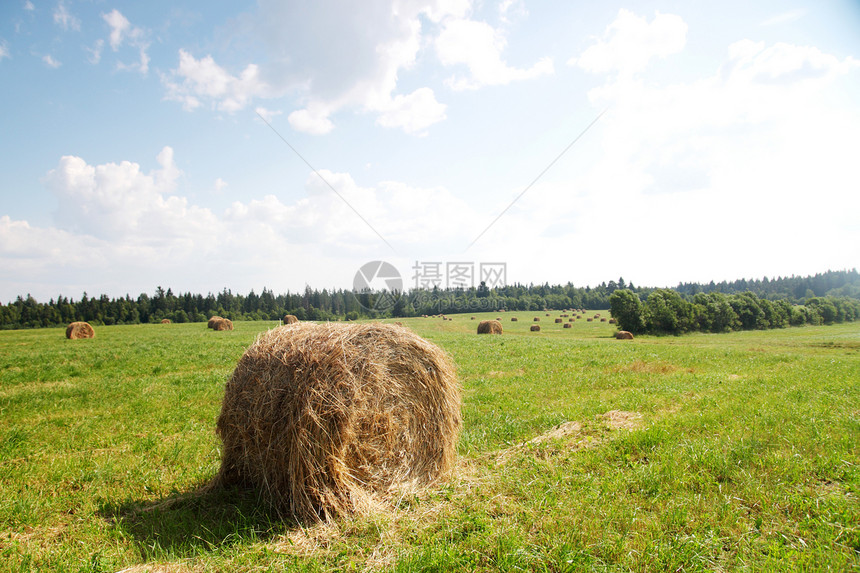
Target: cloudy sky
[(283, 144)]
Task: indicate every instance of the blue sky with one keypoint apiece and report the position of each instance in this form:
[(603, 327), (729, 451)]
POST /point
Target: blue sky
[(133, 152)]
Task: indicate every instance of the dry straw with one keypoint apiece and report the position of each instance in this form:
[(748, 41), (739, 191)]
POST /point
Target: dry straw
[(213, 320), (623, 335), (78, 330), (327, 419), (223, 324), (165, 321), (489, 327), (290, 319)]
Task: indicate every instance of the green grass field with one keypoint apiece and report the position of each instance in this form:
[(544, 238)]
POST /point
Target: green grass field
[(737, 452)]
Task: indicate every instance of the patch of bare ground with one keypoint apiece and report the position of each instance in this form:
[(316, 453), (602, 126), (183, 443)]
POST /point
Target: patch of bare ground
[(640, 366)]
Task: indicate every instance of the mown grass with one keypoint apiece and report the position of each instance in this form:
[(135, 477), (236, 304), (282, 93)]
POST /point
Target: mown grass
[(746, 459)]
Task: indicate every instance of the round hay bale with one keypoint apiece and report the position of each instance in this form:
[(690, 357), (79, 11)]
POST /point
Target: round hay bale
[(547, 314), (472, 318), (571, 319), (613, 321), (489, 327), (499, 318), (567, 325), (323, 419), (590, 319), (223, 324), (290, 319), (535, 328), (602, 320), (624, 335), (165, 321), (558, 321), (564, 315), (77, 330), (537, 319), (514, 319), (213, 320)]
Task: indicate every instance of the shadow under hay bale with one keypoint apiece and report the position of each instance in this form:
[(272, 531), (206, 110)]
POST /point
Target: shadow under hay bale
[(223, 324), (290, 319), (489, 327), (624, 335), (213, 320), (535, 328), (327, 419), (78, 330)]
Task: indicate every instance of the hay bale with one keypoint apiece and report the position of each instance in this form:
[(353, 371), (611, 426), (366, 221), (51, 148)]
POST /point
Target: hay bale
[(567, 325), (613, 321), (537, 319), (77, 330), (624, 335), (535, 328), (602, 320), (472, 318), (223, 324), (165, 321), (558, 321), (325, 419), (514, 319), (590, 319), (571, 319), (213, 320), (290, 319), (489, 327), (547, 314)]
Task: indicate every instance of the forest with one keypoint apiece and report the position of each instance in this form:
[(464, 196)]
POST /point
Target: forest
[(837, 289)]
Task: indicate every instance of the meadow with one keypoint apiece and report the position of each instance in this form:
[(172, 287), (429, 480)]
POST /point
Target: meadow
[(579, 452)]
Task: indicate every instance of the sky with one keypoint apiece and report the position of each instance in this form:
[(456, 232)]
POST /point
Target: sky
[(282, 144)]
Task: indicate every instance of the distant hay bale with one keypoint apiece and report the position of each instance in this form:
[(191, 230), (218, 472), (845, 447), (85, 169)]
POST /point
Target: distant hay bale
[(558, 321), (165, 321), (547, 314), (537, 319), (326, 419), (571, 319), (612, 321), (535, 328), (77, 330), (398, 323), (602, 320), (290, 319), (514, 319), (578, 316), (624, 335), (567, 325), (473, 318), (489, 327), (223, 324), (564, 315), (213, 320), (590, 319)]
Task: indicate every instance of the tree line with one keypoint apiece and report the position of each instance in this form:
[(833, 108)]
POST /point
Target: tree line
[(668, 312), (338, 304)]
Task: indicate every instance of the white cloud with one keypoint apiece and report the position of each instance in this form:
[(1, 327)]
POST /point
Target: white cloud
[(220, 185), (122, 32), (64, 19), (95, 52), (785, 17), (414, 113), (204, 79), (479, 46), (28, 6), (51, 62), (631, 42), (268, 114), (4, 50), (308, 121)]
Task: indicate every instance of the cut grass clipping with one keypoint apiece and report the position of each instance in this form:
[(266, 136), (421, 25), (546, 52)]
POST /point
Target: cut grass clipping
[(330, 419), (489, 327), (80, 330)]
